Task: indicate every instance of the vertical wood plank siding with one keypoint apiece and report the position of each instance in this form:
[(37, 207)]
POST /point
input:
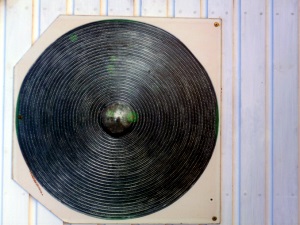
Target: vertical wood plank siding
[(259, 110)]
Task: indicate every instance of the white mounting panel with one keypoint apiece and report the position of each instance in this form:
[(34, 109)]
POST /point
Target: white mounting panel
[(201, 204)]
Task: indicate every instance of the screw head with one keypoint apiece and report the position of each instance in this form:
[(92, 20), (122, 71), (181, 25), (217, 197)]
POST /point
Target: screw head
[(20, 117), (216, 24), (214, 218)]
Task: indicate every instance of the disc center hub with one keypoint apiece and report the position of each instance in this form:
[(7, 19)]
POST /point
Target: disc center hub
[(117, 118)]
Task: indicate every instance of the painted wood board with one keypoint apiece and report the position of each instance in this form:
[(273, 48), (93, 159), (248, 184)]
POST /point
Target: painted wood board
[(86, 7), (157, 8), (223, 9), (252, 195), (2, 80), (45, 217), (285, 118), (18, 20), (282, 209), (187, 9), (50, 10), (120, 8)]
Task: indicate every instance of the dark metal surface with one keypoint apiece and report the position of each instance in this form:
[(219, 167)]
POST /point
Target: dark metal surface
[(117, 118), (173, 119)]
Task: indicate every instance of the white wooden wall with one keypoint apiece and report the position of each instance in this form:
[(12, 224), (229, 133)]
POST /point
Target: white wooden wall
[(260, 108)]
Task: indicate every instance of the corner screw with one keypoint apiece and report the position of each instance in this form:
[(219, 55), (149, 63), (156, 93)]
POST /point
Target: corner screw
[(214, 218), (216, 24)]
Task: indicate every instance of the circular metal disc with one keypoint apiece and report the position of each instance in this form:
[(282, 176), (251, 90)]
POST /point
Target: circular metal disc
[(148, 84)]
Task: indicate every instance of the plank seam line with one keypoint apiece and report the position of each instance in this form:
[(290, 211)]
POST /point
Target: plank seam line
[(174, 8), (136, 7), (203, 8), (3, 104), (140, 10), (270, 113), (70, 7), (206, 8), (239, 106), (170, 8), (298, 19), (106, 13)]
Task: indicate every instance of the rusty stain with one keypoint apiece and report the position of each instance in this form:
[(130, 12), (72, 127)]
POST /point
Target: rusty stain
[(36, 183)]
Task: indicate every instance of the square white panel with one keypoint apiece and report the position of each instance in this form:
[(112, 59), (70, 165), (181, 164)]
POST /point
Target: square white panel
[(201, 204)]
